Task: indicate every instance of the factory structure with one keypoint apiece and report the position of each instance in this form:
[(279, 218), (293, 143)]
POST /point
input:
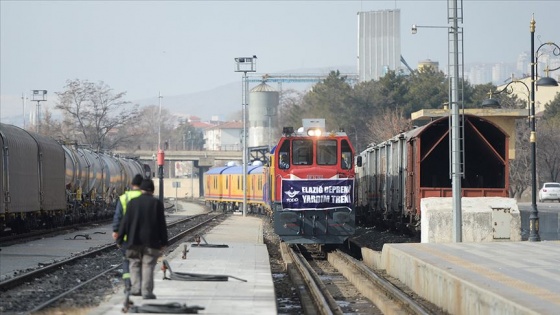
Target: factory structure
[(263, 116), (262, 122), (379, 43)]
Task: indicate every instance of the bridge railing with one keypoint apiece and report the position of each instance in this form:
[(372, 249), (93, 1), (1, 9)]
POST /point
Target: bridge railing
[(204, 158)]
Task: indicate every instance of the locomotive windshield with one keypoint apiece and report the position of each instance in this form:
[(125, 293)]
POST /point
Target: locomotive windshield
[(326, 152), (303, 152)]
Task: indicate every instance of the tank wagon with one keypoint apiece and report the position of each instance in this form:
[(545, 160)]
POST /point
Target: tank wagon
[(396, 174), (45, 184)]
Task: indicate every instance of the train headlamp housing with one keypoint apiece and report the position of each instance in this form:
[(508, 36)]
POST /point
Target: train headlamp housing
[(314, 132), (288, 131)]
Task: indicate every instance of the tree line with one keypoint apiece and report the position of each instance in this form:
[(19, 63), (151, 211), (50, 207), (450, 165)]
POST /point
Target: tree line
[(369, 112), (377, 110)]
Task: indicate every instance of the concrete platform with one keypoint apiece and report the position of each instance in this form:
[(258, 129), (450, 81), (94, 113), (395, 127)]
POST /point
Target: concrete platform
[(478, 278), (245, 258)]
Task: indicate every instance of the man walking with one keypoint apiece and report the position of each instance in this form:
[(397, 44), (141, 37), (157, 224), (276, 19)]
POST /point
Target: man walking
[(146, 231), (120, 210)]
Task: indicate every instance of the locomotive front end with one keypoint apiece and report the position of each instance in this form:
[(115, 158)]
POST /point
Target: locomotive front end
[(313, 194)]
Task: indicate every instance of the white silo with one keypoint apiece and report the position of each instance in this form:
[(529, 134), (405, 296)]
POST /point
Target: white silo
[(263, 115)]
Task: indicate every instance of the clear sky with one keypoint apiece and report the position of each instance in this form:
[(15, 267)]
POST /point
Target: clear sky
[(181, 47)]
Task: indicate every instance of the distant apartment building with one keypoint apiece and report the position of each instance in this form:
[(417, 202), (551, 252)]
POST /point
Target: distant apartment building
[(523, 66), (501, 72), (479, 74), (224, 137), (379, 43)]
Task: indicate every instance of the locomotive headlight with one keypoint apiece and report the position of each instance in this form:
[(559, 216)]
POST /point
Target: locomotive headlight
[(314, 132)]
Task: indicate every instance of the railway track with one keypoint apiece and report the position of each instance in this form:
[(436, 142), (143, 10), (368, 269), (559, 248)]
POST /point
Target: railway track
[(11, 239), (336, 283), (83, 279), (8, 238)]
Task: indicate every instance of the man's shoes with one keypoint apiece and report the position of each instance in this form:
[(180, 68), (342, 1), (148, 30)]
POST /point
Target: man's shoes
[(135, 293), (150, 296)]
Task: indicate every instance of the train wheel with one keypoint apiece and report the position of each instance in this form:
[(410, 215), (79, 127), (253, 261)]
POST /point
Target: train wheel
[(48, 222), (21, 226)]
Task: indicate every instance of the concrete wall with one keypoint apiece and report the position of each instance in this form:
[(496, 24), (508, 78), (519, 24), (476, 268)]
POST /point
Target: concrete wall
[(483, 220), (182, 192)]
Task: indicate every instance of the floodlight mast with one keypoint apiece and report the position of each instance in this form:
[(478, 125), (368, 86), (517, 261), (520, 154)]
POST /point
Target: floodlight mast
[(38, 96), (245, 64)]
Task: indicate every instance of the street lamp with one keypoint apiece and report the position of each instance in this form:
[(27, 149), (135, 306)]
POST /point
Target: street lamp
[(545, 81), (548, 81), (416, 27), (508, 89), (534, 217), (245, 64)]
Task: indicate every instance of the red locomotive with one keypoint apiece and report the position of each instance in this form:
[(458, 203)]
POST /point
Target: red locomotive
[(308, 186), (313, 185)]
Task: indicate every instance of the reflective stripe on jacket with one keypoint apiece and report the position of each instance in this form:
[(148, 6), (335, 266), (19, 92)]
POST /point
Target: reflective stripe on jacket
[(127, 196)]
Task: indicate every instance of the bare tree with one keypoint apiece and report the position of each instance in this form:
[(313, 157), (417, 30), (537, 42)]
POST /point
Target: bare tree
[(94, 114), (548, 151), (290, 110), (148, 133), (519, 172), (387, 124), (48, 126)]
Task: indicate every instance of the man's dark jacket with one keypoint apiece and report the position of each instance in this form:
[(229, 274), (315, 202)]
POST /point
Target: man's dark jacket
[(144, 223)]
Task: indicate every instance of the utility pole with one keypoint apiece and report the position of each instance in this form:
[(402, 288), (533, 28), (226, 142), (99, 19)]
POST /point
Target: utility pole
[(159, 121), (457, 149), (23, 99), (269, 114), (161, 154), (455, 92)]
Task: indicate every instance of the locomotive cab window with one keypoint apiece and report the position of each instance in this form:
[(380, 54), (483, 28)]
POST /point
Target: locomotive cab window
[(346, 155), (284, 155), (303, 152), (326, 152)]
